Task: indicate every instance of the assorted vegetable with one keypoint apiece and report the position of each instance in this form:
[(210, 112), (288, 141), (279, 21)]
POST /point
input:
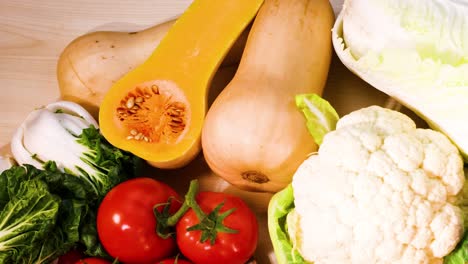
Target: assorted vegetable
[(49, 204), (253, 136), (378, 190), (44, 213), (90, 64), (369, 187), (422, 63), (212, 227), (126, 222), (156, 111), (143, 221), (64, 132), (219, 228)]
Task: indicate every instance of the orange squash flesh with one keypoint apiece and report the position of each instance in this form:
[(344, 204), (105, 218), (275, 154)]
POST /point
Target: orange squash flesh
[(157, 110)]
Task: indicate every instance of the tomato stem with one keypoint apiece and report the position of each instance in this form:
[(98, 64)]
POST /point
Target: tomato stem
[(209, 225), (188, 203), (165, 220)]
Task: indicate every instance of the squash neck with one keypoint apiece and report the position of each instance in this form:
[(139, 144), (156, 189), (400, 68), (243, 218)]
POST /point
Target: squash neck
[(194, 49)]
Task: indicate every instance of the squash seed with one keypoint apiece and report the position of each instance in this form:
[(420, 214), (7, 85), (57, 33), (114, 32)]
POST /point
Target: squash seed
[(130, 102), (152, 113)]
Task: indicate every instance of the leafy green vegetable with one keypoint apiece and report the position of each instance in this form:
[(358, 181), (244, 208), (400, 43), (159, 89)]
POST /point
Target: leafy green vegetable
[(460, 254), (27, 222), (109, 164), (320, 115), (69, 166), (28, 218), (65, 133), (281, 204), (44, 213)]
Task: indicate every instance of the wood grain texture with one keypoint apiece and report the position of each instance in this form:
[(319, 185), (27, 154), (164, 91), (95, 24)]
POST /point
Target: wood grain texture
[(34, 33)]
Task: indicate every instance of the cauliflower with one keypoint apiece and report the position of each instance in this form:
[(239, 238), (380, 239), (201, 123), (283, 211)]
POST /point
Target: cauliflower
[(379, 190)]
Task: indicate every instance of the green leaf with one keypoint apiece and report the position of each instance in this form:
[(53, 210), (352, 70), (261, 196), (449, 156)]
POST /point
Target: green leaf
[(460, 254), (320, 115), (45, 213), (89, 236), (26, 221), (111, 165), (281, 204)]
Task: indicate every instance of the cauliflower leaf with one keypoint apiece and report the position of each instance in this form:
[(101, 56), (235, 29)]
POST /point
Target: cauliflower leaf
[(279, 210), (320, 115)]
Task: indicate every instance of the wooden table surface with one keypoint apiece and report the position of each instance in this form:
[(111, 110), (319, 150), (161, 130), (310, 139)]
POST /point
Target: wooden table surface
[(33, 33)]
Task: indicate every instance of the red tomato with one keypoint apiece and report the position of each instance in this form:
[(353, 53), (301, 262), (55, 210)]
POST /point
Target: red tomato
[(93, 261), (70, 257), (174, 261), (126, 223), (228, 248)]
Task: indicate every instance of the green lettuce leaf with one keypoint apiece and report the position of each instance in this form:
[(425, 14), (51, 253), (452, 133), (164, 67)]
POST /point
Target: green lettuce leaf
[(320, 115), (281, 204)]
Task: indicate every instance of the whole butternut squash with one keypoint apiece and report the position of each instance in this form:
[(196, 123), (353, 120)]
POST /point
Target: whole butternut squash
[(157, 110), (254, 136), (93, 62)]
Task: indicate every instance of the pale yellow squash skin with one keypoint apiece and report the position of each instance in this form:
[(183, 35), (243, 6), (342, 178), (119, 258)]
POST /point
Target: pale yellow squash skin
[(254, 136), (93, 62)]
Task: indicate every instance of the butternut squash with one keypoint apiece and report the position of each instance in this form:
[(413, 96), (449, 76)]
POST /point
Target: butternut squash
[(91, 63), (254, 136), (157, 110)]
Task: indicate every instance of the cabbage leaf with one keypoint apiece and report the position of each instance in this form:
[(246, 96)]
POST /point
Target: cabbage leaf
[(423, 63)]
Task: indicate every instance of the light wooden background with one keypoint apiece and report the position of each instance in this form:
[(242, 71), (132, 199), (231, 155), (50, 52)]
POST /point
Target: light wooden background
[(34, 32)]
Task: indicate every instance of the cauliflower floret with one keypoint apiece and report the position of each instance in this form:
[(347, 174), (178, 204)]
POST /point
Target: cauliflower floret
[(379, 191)]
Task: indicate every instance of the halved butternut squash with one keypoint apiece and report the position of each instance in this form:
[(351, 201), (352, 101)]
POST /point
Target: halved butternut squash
[(157, 110), (89, 65)]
